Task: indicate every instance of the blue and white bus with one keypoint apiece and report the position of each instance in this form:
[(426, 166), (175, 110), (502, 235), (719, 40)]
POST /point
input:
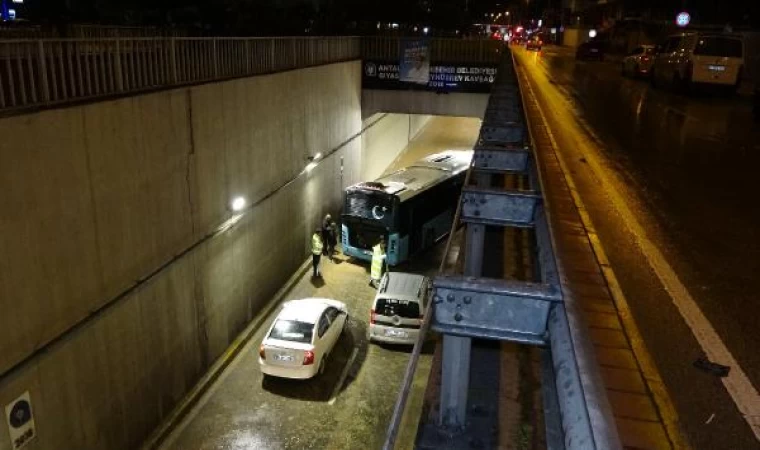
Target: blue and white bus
[(412, 207)]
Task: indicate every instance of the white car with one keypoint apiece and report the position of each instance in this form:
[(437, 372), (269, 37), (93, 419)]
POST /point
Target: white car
[(301, 337)]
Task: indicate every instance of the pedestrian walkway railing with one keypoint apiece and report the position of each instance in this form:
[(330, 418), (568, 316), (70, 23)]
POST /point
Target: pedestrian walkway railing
[(50, 72), (576, 409), (442, 50)]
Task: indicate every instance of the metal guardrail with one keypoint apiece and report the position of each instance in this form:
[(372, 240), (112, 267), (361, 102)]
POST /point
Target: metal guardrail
[(534, 313), (49, 72), (442, 50)]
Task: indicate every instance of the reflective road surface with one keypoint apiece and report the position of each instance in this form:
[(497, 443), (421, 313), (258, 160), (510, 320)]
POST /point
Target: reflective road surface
[(670, 183), (350, 405)]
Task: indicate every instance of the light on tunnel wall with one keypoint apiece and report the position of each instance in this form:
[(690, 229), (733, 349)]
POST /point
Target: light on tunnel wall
[(238, 203), (309, 167)]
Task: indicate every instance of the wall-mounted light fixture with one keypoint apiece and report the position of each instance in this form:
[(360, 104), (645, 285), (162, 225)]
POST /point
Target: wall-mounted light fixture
[(238, 204)]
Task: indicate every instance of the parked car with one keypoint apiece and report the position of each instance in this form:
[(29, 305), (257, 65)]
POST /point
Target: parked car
[(398, 308), (301, 338), (534, 43), (688, 59), (593, 50), (639, 61)]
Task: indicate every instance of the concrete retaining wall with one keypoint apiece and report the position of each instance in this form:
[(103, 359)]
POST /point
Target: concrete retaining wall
[(98, 197), (422, 102), (390, 132)]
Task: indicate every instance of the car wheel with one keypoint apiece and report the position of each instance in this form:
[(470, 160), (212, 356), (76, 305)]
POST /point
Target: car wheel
[(321, 369), (678, 83)]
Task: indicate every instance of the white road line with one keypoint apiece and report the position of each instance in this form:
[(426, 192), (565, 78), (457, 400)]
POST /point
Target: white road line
[(343, 375), (737, 383)]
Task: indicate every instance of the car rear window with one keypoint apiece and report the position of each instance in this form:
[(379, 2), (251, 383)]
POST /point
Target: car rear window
[(291, 330), (401, 308), (719, 46)]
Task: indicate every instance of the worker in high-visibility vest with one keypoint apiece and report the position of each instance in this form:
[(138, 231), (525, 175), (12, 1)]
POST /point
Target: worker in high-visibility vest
[(316, 251), (378, 260)]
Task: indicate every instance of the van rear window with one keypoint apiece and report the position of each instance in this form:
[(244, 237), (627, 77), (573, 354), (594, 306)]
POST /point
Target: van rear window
[(402, 308), (719, 46)]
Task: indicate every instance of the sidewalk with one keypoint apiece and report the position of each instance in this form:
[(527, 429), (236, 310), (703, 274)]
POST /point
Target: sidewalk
[(640, 405)]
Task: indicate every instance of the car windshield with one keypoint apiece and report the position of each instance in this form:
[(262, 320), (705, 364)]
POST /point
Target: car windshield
[(719, 46), (291, 330), (402, 308)]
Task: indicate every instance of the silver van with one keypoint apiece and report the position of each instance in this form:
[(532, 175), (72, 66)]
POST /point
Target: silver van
[(398, 308)]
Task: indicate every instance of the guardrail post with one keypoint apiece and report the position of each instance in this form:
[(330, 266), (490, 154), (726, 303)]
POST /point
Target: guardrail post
[(272, 41), (44, 88), (247, 58), (173, 60), (117, 67), (295, 57), (455, 376), (215, 58)]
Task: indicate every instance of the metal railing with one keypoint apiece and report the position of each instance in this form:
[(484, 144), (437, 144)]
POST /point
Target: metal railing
[(49, 72), (577, 412), (473, 51)]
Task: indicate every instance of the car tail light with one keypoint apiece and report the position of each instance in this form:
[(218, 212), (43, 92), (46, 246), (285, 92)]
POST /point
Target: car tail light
[(372, 316), (540, 42), (645, 58), (262, 353), (308, 357)]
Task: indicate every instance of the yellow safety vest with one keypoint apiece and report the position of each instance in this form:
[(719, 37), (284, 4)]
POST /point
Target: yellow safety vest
[(376, 269), (316, 244)]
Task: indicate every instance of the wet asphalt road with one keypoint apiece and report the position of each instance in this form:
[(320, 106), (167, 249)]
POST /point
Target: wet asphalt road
[(688, 169), (244, 411), (350, 406)]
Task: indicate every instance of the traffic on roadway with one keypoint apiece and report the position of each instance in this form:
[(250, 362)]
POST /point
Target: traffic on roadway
[(667, 174)]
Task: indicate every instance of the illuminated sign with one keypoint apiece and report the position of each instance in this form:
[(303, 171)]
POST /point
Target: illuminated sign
[(475, 78)]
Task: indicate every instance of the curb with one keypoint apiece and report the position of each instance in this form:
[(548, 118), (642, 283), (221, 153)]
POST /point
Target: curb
[(191, 399)]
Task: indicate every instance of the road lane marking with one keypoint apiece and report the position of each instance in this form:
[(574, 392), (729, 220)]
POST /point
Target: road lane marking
[(644, 360), (738, 385), (343, 375)]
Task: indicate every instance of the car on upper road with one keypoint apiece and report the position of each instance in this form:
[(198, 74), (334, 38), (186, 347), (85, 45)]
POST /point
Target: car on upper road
[(534, 43), (688, 59), (398, 309), (303, 334), (639, 61), (590, 50)]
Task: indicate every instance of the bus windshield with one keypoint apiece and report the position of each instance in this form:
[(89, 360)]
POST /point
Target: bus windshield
[(375, 206)]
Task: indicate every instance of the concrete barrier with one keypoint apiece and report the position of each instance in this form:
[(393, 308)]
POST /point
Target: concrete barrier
[(123, 277)]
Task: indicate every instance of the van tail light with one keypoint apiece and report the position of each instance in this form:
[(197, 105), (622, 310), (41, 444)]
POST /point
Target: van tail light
[(308, 357), (372, 316), (262, 353)]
